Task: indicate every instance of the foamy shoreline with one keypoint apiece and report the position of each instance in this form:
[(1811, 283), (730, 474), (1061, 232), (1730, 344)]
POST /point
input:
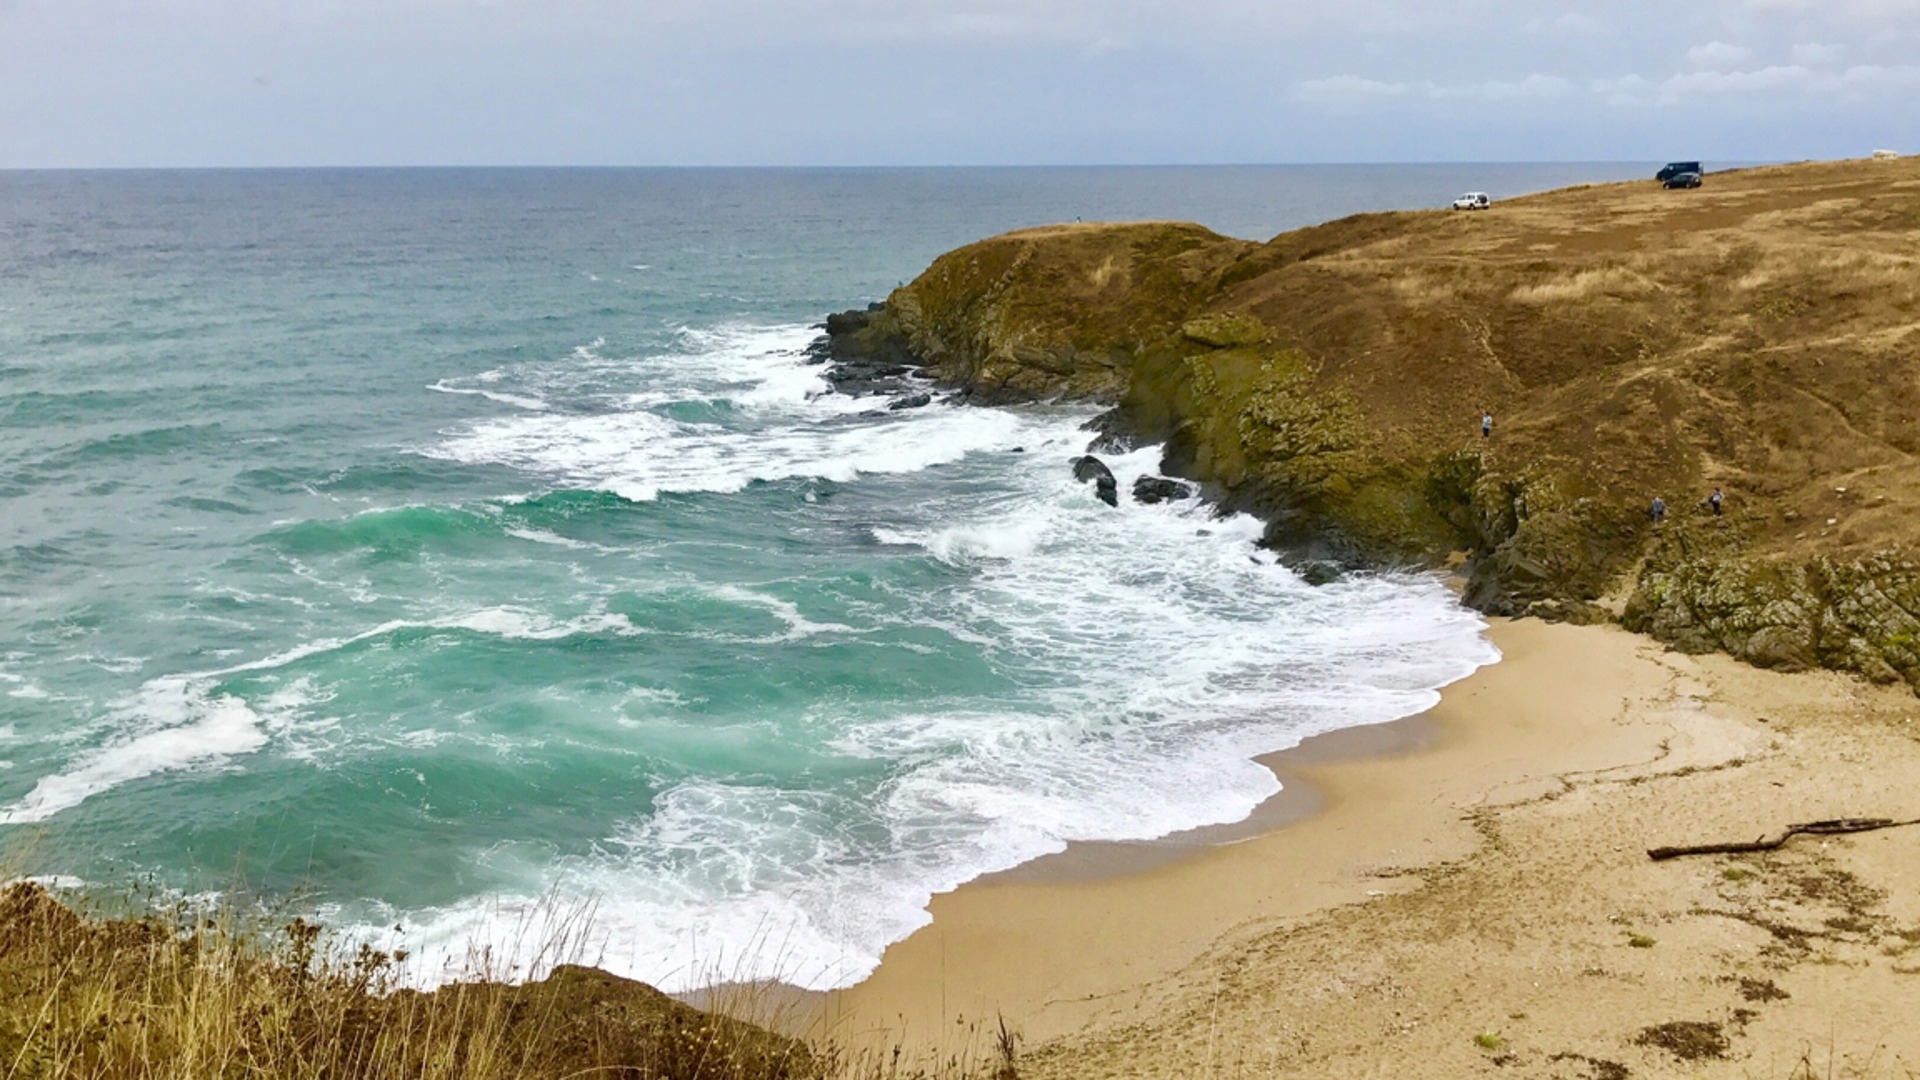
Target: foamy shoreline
[(1589, 734)]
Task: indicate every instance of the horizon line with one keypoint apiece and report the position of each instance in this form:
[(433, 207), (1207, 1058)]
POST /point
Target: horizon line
[(844, 167)]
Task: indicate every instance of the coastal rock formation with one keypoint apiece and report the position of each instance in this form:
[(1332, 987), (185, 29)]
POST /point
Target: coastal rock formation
[(1158, 489), (861, 362), (1105, 486), (1761, 335)]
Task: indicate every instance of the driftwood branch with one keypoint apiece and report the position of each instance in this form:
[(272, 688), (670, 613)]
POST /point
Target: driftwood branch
[(1811, 828)]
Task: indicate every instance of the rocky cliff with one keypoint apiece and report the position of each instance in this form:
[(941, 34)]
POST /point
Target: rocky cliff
[(1760, 335)]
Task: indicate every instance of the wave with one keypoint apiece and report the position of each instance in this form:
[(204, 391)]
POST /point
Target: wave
[(393, 531), (38, 408), (640, 456), (192, 721), (401, 532), (798, 626), (123, 448), (29, 558), (784, 424), (518, 401), (1150, 654)]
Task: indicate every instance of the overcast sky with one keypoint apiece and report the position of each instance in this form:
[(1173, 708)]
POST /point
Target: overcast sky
[(795, 82)]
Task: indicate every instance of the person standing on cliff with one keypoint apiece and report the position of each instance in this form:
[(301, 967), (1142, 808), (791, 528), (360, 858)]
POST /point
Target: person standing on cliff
[(1714, 500), (1658, 511), (1486, 425)]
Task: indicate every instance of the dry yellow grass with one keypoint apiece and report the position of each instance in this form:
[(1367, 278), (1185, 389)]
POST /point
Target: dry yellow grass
[(196, 993), (1617, 281), (191, 992)]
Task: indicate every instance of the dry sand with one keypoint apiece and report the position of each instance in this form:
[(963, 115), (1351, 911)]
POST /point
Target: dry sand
[(1467, 894)]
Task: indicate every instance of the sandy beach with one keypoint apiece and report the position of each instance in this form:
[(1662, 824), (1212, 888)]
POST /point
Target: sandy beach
[(1469, 889)]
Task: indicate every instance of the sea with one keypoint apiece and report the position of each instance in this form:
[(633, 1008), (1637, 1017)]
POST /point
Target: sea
[(441, 550)]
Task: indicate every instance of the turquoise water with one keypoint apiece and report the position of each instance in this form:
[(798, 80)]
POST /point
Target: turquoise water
[(430, 543)]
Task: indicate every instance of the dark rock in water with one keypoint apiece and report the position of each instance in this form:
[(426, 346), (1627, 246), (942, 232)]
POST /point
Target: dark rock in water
[(1091, 468), (1105, 487), (864, 358), (1116, 433), (870, 387), (1318, 572), (917, 401), (1155, 489), (1018, 450)]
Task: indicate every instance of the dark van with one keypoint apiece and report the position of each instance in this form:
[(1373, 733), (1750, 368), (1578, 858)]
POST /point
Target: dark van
[(1675, 168)]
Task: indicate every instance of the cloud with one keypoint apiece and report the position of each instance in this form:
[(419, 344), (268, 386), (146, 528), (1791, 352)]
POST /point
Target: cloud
[(692, 81), (1577, 23), (1696, 83), (1625, 90), (1574, 23), (1350, 91), (1346, 90), (1872, 77), (1859, 82), (1815, 55), (1871, 9), (1718, 56), (1533, 86)]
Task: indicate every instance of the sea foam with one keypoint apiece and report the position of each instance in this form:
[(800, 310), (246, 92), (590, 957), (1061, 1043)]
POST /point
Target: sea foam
[(796, 428), (187, 722), (1166, 652), (1142, 657)]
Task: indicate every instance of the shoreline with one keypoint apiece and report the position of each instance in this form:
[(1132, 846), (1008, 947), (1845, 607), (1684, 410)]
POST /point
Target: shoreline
[(1299, 799), (1094, 951), (1325, 782)]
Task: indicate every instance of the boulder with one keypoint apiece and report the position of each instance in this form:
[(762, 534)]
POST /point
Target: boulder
[(1156, 489), (1106, 488), (915, 401)]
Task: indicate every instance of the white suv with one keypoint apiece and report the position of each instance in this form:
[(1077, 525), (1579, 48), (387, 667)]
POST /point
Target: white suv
[(1473, 200)]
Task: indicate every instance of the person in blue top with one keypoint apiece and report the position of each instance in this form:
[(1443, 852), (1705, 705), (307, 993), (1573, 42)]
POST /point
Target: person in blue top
[(1486, 425)]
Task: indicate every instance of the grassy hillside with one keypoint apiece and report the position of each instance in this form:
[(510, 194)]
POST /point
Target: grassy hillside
[(188, 993), (1760, 334)]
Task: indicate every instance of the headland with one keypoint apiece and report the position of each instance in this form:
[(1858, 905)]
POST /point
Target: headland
[(1479, 896), (1759, 335)]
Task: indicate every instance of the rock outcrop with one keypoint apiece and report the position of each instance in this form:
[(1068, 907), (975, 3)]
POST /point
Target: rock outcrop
[(1105, 487), (1761, 335), (1159, 489)]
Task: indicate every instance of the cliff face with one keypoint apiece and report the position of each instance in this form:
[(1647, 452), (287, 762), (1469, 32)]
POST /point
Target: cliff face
[(1760, 334)]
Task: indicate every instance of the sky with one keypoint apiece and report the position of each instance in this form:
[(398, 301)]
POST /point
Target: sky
[(161, 83)]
